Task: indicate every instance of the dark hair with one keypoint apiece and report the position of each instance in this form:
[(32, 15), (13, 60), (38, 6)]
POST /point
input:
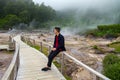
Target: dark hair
[(57, 28)]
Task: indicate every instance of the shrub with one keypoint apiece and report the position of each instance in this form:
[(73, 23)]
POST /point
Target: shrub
[(113, 71), (111, 66), (115, 45), (108, 31), (110, 59), (95, 47)]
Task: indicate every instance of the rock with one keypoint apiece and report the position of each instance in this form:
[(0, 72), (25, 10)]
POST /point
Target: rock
[(109, 36), (91, 51), (98, 52), (118, 39), (80, 69), (90, 36), (81, 74), (90, 62), (44, 40), (108, 49), (70, 61), (1, 63), (42, 35), (104, 49)]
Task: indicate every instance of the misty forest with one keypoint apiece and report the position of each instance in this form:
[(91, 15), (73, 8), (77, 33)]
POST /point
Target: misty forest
[(92, 34)]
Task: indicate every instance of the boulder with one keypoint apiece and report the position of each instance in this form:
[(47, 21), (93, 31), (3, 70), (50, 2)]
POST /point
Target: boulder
[(104, 49), (98, 51), (108, 49)]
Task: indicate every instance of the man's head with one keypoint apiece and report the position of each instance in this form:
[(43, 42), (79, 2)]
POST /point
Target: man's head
[(56, 30)]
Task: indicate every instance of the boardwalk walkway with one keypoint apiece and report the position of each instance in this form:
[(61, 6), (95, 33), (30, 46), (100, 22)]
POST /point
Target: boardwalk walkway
[(31, 62)]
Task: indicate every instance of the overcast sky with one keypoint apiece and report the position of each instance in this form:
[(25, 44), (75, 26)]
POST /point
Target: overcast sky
[(62, 4)]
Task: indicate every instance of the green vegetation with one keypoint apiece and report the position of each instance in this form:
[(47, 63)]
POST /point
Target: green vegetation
[(45, 50), (57, 64), (115, 45), (9, 21), (67, 77), (107, 31), (25, 14), (14, 12), (111, 66), (95, 47), (98, 50)]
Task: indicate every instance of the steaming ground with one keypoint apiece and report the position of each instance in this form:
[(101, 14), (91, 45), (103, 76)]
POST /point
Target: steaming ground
[(66, 4), (85, 14)]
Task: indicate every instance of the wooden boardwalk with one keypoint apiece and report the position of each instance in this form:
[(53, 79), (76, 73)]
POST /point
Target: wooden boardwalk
[(4, 47), (31, 62)]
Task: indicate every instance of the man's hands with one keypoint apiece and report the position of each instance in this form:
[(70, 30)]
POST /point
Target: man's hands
[(53, 49)]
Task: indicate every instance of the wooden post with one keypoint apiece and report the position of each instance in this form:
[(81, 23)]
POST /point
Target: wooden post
[(49, 49), (10, 38), (33, 42), (62, 62), (28, 40), (97, 78), (41, 46), (12, 75)]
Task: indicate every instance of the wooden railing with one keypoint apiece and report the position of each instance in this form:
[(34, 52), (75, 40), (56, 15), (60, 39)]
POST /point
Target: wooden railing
[(98, 76), (11, 72)]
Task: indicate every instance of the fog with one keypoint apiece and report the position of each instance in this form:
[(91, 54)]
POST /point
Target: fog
[(87, 14), (64, 4)]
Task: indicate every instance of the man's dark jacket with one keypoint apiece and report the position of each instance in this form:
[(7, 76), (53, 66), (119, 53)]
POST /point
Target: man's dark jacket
[(61, 43)]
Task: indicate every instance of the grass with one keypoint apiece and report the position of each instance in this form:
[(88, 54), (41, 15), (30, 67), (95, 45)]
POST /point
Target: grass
[(8, 52), (95, 47), (111, 66), (67, 77), (44, 49), (115, 45), (57, 64), (98, 48)]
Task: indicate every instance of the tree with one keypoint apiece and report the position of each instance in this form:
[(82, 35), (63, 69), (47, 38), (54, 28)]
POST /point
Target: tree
[(24, 16), (9, 21), (25, 11)]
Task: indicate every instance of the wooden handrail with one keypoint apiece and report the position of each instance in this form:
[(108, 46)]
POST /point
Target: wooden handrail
[(99, 75), (87, 67), (11, 72)]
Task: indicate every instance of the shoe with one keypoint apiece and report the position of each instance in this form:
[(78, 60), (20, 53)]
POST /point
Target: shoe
[(45, 69)]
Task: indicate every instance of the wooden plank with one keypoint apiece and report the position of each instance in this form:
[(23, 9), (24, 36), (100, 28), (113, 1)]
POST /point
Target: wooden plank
[(31, 62), (2, 47)]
